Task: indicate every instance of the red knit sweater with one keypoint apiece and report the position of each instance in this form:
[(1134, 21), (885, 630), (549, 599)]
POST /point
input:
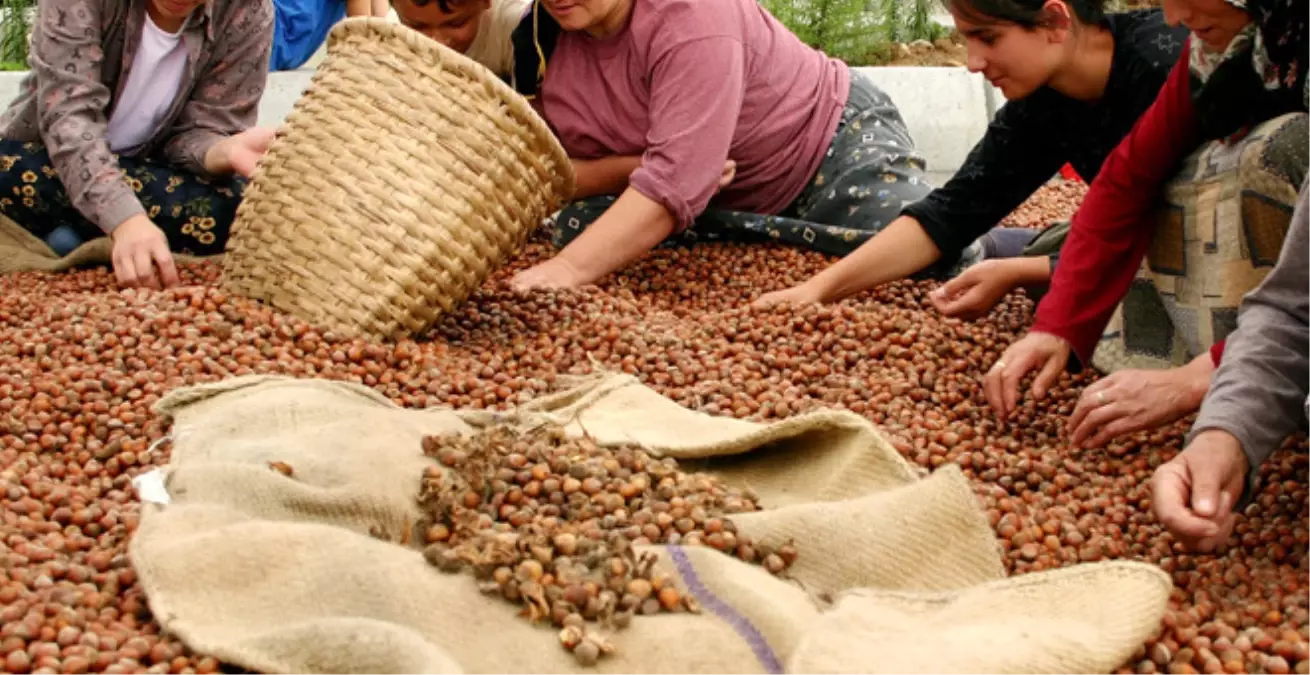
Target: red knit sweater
[(1111, 231)]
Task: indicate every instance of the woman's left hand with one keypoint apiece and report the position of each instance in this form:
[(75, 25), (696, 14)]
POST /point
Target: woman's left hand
[(554, 273), (1133, 400), (248, 147), (241, 152), (976, 290)]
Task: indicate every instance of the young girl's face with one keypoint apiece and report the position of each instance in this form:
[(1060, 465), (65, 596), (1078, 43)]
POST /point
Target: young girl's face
[(455, 29), (1016, 59)]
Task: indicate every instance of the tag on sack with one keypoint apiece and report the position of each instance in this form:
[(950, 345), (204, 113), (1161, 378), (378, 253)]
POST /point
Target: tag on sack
[(150, 487)]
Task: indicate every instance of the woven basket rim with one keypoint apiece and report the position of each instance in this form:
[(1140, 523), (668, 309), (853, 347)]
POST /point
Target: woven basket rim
[(423, 45)]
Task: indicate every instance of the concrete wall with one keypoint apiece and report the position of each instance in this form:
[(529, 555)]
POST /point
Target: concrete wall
[(947, 109)]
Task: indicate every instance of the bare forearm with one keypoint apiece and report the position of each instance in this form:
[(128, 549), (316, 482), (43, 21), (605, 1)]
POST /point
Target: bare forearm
[(900, 250), (1028, 271), (629, 229), (603, 176)]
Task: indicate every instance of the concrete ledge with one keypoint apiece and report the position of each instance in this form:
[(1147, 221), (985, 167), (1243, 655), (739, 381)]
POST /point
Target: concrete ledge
[(946, 109)]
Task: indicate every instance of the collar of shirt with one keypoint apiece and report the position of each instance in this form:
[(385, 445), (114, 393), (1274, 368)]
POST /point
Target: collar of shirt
[(207, 16)]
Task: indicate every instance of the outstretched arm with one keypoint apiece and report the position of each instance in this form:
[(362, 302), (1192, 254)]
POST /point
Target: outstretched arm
[(629, 229), (1011, 162)]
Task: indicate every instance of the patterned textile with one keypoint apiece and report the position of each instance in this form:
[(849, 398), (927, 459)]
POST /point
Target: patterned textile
[(870, 173), (194, 214), (1220, 231)]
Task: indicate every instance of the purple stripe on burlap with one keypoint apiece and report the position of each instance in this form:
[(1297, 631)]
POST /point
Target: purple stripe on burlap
[(707, 599)]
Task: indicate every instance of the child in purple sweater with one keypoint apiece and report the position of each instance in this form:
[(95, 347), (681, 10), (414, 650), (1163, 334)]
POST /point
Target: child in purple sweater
[(654, 98)]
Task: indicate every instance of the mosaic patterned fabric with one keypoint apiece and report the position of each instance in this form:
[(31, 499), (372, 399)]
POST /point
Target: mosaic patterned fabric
[(1218, 234)]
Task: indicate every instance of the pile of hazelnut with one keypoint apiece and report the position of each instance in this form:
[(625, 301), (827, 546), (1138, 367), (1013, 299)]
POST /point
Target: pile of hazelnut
[(551, 522)]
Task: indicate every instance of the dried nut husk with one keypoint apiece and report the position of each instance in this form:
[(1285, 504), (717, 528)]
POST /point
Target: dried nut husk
[(492, 503)]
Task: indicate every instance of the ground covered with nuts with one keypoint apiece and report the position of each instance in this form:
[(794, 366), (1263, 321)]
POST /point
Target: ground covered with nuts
[(81, 364)]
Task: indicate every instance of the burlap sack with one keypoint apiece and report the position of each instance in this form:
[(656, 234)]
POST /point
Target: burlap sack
[(20, 251), (895, 574)]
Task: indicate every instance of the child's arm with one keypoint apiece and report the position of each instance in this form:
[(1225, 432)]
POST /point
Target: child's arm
[(377, 8)]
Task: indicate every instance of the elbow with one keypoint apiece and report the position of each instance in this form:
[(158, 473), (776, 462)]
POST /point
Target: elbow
[(677, 211)]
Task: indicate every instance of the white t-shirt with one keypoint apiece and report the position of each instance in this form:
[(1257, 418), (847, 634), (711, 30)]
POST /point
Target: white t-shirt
[(492, 46), (152, 85)]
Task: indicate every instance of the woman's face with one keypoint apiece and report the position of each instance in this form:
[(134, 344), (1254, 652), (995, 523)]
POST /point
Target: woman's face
[(1015, 59), (598, 17), (1214, 22)]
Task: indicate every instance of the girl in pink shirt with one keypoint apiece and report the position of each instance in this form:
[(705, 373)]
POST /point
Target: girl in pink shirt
[(656, 100)]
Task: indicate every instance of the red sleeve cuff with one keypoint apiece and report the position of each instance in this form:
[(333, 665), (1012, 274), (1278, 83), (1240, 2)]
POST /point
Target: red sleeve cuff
[(1217, 352)]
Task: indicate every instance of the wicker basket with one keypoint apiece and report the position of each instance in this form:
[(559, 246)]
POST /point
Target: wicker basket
[(404, 176)]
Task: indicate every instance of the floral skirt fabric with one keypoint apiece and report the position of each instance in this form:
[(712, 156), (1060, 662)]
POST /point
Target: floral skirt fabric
[(195, 214), (870, 171)]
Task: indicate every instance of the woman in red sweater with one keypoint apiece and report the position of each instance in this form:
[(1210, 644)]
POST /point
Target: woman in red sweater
[(1241, 82)]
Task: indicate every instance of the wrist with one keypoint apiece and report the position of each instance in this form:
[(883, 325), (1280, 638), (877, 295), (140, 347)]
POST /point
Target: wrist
[(133, 223), (1048, 335), (120, 209), (1227, 445), (1196, 376), (1029, 271), (833, 284), (574, 272), (816, 290), (218, 159)]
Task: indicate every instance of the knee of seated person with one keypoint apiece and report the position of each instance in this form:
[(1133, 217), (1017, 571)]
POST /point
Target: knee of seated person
[(1272, 169), (64, 240), (1284, 147)]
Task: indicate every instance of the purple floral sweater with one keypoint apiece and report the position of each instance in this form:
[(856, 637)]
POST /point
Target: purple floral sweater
[(81, 55)]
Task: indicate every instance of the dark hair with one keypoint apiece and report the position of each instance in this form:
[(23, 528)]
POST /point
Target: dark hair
[(443, 5), (1026, 13)]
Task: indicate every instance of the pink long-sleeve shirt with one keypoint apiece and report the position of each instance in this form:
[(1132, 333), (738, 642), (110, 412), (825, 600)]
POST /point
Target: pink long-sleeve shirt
[(688, 84)]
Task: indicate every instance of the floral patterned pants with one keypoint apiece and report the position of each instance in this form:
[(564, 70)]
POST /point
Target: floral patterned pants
[(195, 214), (870, 171)]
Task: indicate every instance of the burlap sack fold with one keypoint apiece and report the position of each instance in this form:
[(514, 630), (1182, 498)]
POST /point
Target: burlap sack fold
[(279, 574), (21, 251)]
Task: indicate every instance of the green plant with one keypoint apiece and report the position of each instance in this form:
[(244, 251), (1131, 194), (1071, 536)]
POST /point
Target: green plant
[(15, 26), (858, 32)]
